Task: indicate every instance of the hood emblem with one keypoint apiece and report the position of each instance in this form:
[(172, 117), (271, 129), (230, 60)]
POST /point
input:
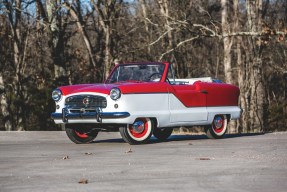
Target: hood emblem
[(86, 101)]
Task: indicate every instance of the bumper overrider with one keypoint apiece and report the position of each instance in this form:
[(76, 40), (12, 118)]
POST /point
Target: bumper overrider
[(98, 114)]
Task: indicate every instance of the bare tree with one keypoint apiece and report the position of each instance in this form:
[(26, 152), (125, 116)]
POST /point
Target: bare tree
[(7, 121), (4, 105), (107, 12), (145, 18), (164, 10), (227, 41), (227, 46), (256, 69), (77, 15), (54, 18), (40, 15), (15, 17)]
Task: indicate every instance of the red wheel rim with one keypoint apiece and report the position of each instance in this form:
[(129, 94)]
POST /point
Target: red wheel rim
[(142, 128), (218, 124), (81, 135)]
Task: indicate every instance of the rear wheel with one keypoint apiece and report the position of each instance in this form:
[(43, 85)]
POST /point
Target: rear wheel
[(139, 132), (218, 127), (81, 136), (163, 133)]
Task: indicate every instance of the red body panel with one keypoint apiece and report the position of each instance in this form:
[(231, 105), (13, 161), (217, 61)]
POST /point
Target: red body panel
[(207, 94), (136, 88), (189, 95), (220, 94), (199, 94), (126, 88), (97, 88)]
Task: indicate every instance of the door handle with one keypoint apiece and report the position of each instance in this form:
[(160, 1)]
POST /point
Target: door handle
[(204, 91)]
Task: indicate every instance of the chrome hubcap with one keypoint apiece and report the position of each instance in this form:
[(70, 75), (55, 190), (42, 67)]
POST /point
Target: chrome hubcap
[(138, 126), (218, 122)]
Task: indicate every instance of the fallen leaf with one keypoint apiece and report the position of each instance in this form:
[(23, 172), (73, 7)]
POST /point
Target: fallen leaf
[(88, 153), (66, 157), (190, 143), (204, 158), (83, 181), (129, 151)]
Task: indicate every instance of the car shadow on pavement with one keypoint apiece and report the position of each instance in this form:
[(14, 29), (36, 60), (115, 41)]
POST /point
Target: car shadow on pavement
[(243, 135), (179, 137), (116, 140)]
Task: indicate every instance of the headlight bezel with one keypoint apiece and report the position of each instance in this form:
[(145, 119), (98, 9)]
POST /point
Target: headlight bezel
[(115, 93), (57, 95)]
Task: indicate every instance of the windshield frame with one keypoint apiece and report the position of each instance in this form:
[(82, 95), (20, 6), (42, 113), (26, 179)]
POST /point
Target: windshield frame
[(117, 69)]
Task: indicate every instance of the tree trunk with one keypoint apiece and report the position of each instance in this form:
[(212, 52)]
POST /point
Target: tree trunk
[(106, 11), (4, 105), (17, 102), (227, 45), (165, 12), (56, 48), (84, 34), (143, 6), (227, 42), (242, 124), (107, 52), (40, 14), (257, 94), (164, 9)]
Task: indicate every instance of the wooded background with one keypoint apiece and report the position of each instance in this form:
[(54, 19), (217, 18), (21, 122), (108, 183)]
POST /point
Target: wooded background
[(48, 43)]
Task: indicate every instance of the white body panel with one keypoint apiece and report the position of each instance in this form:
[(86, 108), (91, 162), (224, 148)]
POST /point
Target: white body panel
[(180, 113), (166, 108)]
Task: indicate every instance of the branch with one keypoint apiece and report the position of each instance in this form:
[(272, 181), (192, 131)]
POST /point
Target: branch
[(178, 45), (160, 37), (259, 33), (23, 63), (151, 22), (213, 33)]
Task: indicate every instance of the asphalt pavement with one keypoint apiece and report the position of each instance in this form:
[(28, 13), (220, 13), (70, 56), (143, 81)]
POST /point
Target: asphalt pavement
[(49, 161)]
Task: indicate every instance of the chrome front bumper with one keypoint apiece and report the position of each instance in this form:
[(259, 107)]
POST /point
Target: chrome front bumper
[(97, 114)]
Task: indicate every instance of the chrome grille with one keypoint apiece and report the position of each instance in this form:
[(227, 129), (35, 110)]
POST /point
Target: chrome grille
[(86, 101)]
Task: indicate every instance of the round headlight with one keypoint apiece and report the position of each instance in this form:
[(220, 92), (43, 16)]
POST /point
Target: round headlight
[(115, 93), (56, 95)]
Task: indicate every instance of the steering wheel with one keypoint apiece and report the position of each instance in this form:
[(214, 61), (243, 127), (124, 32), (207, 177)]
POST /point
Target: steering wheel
[(152, 77)]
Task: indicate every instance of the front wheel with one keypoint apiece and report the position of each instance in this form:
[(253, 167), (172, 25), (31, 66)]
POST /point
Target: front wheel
[(139, 132), (163, 133), (218, 127), (81, 136)]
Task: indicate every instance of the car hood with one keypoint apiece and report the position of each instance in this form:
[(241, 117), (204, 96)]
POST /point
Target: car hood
[(126, 88), (93, 88)]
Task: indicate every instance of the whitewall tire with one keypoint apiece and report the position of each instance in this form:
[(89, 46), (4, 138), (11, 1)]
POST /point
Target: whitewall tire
[(139, 132), (218, 127)]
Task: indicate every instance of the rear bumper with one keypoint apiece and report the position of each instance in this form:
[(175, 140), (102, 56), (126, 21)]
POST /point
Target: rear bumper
[(65, 116)]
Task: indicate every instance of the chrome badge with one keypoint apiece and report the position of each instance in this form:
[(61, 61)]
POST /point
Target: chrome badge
[(86, 101)]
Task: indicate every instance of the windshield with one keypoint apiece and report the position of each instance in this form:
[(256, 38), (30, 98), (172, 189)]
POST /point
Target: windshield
[(136, 73)]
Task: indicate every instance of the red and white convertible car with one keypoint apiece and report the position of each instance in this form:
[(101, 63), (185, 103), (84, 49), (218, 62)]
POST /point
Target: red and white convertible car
[(141, 99)]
